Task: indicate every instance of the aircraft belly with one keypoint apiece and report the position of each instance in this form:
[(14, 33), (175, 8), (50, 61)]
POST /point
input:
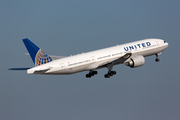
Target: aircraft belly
[(72, 70)]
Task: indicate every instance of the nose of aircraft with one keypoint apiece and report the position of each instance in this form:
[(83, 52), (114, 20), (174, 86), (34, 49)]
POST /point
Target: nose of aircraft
[(166, 44)]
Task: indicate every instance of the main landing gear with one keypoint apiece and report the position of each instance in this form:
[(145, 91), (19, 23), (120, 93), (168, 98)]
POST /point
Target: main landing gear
[(157, 59), (109, 74), (91, 73)]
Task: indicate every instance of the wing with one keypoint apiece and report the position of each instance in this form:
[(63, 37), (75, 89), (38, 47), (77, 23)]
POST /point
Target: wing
[(120, 60)]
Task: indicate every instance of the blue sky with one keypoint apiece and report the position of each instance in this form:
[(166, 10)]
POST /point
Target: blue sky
[(69, 27)]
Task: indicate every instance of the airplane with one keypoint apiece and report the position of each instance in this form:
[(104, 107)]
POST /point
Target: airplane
[(131, 54)]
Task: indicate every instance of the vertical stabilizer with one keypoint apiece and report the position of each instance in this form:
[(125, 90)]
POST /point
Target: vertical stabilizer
[(37, 55)]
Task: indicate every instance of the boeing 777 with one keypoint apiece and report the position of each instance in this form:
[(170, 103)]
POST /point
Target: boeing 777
[(131, 54)]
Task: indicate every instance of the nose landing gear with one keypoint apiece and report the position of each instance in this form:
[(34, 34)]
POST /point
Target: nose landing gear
[(157, 59)]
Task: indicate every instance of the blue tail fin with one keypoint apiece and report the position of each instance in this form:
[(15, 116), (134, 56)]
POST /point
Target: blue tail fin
[(37, 55)]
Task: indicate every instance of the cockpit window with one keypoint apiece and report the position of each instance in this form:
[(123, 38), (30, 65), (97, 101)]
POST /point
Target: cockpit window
[(165, 42)]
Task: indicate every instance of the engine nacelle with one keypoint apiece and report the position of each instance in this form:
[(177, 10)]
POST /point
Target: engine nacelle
[(135, 61)]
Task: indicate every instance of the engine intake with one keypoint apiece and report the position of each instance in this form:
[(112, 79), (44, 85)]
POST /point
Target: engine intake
[(136, 61)]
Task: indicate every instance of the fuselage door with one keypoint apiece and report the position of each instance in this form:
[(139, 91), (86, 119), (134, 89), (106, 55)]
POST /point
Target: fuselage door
[(62, 65), (157, 43), (93, 59)]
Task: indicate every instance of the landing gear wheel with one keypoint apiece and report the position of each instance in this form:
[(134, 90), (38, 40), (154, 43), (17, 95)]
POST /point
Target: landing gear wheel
[(88, 76), (91, 73), (95, 72), (157, 60), (114, 72), (110, 73), (107, 76)]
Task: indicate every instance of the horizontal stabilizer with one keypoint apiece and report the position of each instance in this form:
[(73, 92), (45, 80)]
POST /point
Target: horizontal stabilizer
[(18, 68)]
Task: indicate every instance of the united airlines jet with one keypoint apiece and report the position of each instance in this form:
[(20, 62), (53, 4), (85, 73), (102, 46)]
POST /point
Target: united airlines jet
[(131, 54)]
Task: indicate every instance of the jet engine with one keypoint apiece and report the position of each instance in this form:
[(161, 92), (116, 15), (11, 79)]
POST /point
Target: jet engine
[(135, 61)]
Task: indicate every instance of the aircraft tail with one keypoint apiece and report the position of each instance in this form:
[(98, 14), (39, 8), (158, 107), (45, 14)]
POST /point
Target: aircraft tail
[(37, 55)]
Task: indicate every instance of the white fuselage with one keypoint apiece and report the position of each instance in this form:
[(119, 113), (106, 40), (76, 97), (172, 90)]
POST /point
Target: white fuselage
[(91, 60)]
